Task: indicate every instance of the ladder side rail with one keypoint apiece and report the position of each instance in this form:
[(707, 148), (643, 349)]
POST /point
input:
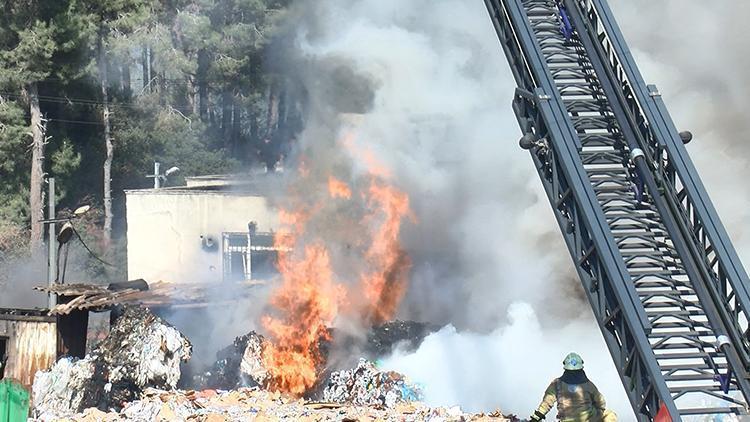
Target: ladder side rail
[(679, 180), (511, 45), (622, 339), (682, 240), (728, 274), (567, 143)]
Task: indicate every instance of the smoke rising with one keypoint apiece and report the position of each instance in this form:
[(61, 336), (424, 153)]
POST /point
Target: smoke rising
[(508, 368), (431, 91), (18, 277), (440, 122), (21, 272), (421, 91)]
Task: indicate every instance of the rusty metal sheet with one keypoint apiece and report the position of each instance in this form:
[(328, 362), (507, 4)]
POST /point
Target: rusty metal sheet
[(33, 347)]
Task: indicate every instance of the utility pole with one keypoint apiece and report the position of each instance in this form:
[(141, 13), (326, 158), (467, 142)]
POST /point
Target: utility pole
[(161, 178), (157, 179), (52, 260)]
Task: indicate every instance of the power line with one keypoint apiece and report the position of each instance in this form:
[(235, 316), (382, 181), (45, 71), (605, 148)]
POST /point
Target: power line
[(81, 122), (83, 101), (88, 249)]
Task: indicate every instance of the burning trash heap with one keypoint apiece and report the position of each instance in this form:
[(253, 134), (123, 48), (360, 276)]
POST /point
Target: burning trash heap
[(134, 372), (243, 365), (342, 276)]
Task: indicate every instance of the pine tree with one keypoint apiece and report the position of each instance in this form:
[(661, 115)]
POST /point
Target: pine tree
[(114, 21), (28, 45)]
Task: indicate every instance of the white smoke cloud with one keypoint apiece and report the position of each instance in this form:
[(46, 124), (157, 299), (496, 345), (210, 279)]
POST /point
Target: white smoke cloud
[(436, 89), (509, 368), (488, 257), (440, 120)]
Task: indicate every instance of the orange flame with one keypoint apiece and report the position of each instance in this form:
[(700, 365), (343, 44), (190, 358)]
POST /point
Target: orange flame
[(338, 189), (386, 284), (309, 297)]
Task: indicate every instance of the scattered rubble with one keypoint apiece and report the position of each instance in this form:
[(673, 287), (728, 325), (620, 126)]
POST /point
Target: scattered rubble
[(365, 385), (254, 404), (141, 351)]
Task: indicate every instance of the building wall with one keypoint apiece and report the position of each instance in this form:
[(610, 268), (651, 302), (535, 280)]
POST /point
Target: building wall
[(32, 346), (165, 230)]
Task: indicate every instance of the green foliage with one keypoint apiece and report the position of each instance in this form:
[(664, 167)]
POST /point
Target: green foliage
[(29, 59), (190, 85), (14, 162), (167, 136), (65, 162)]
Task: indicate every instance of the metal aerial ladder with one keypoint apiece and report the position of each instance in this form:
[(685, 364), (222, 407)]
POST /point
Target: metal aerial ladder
[(664, 281)]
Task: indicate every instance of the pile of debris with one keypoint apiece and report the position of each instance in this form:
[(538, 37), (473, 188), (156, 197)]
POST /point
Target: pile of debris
[(365, 385), (256, 404), (238, 365), (241, 363), (134, 372), (141, 351)]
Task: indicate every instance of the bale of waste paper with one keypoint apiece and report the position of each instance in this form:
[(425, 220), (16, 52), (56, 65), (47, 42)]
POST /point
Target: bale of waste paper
[(141, 351), (237, 365), (365, 385)]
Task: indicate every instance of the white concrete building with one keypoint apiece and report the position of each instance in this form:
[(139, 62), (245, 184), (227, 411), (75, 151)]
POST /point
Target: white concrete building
[(214, 229)]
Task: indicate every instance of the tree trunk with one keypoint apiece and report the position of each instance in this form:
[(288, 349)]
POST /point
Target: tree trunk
[(107, 235), (36, 194), (236, 127), (145, 63), (201, 75), (125, 79), (211, 114), (226, 118), (193, 94), (164, 98), (283, 106), (151, 75), (272, 118), (258, 145)]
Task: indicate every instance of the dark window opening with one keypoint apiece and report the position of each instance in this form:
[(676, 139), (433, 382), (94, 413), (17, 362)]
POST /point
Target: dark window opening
[(249, 256)]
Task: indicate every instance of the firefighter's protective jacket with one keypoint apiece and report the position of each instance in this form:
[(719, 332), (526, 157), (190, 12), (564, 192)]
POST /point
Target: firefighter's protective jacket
[(577, 398)]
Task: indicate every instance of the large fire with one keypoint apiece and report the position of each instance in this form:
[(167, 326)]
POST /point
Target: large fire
[(308, 299), (310, 296), (384, 285)]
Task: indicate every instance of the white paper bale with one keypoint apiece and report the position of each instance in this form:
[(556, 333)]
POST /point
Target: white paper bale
[(62, 390)]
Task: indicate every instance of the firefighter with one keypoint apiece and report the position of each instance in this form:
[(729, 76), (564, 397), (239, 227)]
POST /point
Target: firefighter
[(578, 399)]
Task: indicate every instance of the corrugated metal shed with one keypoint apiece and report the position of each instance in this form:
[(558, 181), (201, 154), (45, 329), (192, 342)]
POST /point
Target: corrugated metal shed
[(31, 343)]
